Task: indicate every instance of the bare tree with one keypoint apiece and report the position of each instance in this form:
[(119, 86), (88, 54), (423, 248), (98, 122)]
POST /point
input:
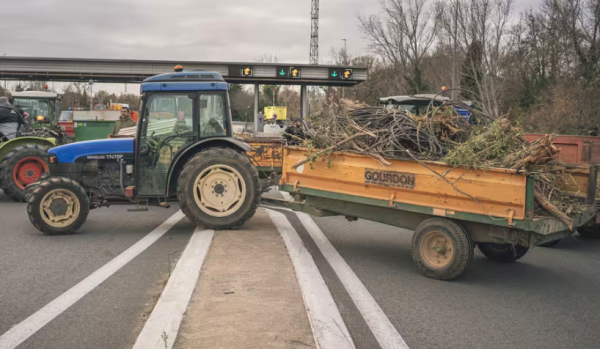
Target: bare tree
[(580, 21), (480, 29), (402, 37)]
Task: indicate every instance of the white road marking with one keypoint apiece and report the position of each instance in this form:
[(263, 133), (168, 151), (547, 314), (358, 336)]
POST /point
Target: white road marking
[(383, 330), (329, 329), (20, 332), (163, 324)]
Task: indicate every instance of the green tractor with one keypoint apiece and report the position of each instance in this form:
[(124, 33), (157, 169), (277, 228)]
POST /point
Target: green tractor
[(23, 159)]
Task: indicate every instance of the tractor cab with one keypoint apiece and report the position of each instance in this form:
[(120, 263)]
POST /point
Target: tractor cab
[(177, 110), (182, 150), (418, 104), (40, 105)]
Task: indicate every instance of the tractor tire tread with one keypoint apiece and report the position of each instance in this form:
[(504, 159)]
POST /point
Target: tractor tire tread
[(7, 169), (185, 202), (36, 195)]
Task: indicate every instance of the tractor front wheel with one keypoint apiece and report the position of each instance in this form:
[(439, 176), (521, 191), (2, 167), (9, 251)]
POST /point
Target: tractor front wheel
[(20, 167), (57, 206), (219, 189)]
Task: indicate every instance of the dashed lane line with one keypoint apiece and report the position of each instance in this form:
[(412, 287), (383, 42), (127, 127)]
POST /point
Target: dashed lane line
[(162, 326), (329, 329), (26, 328)]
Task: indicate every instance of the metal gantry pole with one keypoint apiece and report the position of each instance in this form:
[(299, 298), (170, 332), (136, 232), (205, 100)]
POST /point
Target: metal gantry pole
[(256, 92), (303, 100)]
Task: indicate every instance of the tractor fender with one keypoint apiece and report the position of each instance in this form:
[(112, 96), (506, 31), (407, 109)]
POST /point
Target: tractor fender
[(7, 147), (185, 154)]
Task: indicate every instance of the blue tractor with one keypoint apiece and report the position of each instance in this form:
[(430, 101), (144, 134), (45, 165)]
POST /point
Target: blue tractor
[(183, 150)]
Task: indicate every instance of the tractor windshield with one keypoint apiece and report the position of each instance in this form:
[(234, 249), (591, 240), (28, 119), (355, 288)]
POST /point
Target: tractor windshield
[(35, 107)]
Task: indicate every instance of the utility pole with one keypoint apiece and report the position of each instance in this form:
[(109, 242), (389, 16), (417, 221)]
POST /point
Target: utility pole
[(345, 50), (91, 95), (314, 33)]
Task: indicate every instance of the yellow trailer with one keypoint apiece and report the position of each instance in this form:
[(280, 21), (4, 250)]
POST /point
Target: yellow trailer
[(450, 212)]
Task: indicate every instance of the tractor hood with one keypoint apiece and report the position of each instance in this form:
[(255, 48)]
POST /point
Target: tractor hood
[(102, 149)]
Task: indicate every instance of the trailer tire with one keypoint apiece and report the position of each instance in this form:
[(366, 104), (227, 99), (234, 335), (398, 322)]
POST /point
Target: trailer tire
[(591, 231), (71, 206), (22, 166), (219, 189), (441, 249), (505, 253), (550, 243)]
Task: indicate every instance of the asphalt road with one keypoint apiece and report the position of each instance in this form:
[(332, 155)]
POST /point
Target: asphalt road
[(35, 269), (546, 300)]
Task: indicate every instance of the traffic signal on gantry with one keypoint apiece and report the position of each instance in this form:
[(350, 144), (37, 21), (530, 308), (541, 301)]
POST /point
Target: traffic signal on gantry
[(295, 73), (346, 74), (247, 71)]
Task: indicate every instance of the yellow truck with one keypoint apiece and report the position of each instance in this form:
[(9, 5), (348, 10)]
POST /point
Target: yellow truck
[(281, 113), (493, 209)]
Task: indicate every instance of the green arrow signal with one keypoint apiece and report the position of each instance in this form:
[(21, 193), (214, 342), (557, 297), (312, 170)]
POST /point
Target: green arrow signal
[(334, 74), (282, 73)]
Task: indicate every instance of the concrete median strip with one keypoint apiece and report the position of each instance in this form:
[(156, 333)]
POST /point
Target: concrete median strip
[(20, 332), (248, 295), (162, 326), (326, 321)]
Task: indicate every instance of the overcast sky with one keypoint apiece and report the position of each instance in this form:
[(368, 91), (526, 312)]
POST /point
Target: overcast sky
[(202, 30)]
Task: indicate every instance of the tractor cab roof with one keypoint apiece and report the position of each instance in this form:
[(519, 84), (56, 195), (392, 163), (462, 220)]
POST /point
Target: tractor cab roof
[(185, 81), (36, 94), (416, 99), (187, 76)]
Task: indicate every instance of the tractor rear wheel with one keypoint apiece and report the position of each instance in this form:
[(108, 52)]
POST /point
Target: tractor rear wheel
[(219, 189), (20, 167), (57, 206)]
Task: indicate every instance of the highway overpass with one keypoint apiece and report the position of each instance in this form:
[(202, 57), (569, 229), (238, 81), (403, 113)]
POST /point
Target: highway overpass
[(134, 71)]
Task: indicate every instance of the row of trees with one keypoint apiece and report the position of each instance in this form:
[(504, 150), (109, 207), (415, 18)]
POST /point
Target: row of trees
[(76, 95), (541, 67)]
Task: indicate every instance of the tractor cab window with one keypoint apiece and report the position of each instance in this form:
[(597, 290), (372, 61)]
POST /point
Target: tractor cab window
[(212, 115), (169, 110), (35, 107), (168, 127)]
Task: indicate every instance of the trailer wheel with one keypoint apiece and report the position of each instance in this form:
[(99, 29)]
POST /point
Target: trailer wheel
[(219, 188), (590, 231), (57, 206), (502, 252), (20, 167), (441, 249), (550, 243)]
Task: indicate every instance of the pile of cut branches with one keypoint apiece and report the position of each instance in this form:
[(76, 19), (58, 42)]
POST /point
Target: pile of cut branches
[(441, 134)]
